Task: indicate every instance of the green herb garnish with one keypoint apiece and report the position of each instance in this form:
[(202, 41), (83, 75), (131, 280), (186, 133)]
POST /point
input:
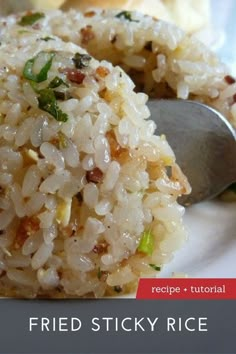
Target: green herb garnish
[(46, 39), (56, 82), (155, 267), (43, 73), (60, 95), (48, 103), (146, 244), (126, 15), (81, 60), (29, 20)]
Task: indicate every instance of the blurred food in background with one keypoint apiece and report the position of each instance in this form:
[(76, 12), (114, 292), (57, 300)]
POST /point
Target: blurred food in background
[(198, 11), (11, 6)]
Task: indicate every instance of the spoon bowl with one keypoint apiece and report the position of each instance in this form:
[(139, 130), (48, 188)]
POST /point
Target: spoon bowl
[(204, 143)]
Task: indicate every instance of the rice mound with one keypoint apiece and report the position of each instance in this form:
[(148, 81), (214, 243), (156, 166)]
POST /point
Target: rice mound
[(88, 192), (162, 60)]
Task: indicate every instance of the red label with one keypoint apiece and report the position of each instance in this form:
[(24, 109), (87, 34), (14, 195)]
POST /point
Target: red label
[(186, 288)]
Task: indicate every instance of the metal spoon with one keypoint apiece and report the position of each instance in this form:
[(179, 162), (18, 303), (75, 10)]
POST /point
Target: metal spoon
[(204, 144)]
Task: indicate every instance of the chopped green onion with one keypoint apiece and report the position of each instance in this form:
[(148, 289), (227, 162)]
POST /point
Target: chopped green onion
[(29, 20), (99, 274), (155, 267), (34, 86), (60, 95), (126, 15), (48, 103), (146, 244), (81, 60), (43, 73), (56, 82), (46, 39)]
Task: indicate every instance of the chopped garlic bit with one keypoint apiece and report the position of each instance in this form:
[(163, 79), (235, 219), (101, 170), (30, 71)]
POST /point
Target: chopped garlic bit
[(64, 211), (33, 155)]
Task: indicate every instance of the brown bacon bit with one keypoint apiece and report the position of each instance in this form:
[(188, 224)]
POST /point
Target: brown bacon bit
[(95, 176), (74, 75), (100, 248), (28, 226), (87, 34), (229, 79), (89, 14), (234, 98), (102, 71)]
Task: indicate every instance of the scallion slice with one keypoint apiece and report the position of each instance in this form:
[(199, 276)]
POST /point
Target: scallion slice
[(29, 20), (42, 75), (48, 103), (81, 60), (56, 82), (146, 244), (126, 15), (155, 267)]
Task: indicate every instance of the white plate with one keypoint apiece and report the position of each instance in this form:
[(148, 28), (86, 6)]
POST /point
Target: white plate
[(210, 251), (211, 248)]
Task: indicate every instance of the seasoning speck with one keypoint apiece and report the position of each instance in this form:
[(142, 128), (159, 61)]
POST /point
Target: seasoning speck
[(89, 14), (230, 79), (81, 60), (118, 289), (75, 76), (31, 18), (148, 46), (87, 34), (102, 71), (95, 176)]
